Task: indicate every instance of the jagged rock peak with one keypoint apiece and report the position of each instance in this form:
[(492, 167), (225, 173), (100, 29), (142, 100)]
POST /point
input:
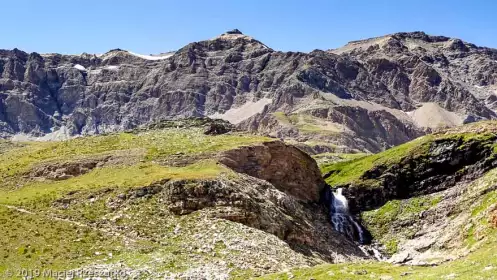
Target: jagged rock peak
[(420, 35), (409, 40), (117, 50)]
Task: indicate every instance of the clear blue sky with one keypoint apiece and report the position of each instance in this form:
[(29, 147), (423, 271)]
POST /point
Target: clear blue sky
[(148, 26)]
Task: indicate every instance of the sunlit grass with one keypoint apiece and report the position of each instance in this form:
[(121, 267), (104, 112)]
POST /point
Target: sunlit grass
[(157, 144), (141, 174)]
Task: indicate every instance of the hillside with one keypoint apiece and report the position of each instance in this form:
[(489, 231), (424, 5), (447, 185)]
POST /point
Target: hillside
[(164, 201), (430, 204), (367, 96), (169, 200)]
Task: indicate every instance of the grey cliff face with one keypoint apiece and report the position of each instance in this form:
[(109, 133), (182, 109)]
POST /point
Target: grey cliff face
[(374, 93)]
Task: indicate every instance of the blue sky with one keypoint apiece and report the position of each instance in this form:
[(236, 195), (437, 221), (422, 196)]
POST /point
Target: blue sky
[(148, 26)]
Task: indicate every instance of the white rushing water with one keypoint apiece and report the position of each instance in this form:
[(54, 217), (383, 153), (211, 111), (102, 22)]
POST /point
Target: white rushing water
[(340, 203), (343, 221)]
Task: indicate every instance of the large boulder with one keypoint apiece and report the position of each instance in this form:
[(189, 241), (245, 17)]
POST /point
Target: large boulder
[(286, 167)]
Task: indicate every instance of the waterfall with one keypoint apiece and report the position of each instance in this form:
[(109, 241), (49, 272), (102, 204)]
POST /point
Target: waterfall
[(341, 219)]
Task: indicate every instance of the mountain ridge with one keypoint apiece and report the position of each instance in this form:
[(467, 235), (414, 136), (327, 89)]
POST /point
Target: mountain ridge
[(362, 99), (415, 33)]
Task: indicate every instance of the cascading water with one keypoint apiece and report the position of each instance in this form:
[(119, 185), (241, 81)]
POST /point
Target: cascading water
[(342, 220)]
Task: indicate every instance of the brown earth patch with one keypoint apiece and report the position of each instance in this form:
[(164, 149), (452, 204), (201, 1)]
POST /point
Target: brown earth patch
[(493, 217)]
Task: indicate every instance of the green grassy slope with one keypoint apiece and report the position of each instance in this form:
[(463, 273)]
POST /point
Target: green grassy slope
[(345, 172), (72, 222)]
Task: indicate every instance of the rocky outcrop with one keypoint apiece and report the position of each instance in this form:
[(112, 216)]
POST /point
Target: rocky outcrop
[(276, 188), (286, 167), (428, 201), (273, 187), (259, 204), (66, 170), (216, 129)]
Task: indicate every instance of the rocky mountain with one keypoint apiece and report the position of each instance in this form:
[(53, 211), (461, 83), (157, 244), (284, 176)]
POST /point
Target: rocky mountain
[(368, 95)]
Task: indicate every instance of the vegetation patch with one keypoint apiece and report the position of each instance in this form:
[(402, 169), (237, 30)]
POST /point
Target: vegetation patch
[(392, 246), (282, 118), (325, 159), (380, 222), (100, 217), (8, 145), (350, 171), (488, 200), (34, 241), (307, 123)]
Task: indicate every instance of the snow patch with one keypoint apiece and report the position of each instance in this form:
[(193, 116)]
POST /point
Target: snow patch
[(80, 67), (479, 87), (247, 110), (152, 57), (112, 67)]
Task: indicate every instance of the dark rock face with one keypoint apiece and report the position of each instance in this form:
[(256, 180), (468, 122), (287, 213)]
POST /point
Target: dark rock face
[(234, 31), (416, 66), (434, 199), (289, 169), (119, 90), (447, 162)]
